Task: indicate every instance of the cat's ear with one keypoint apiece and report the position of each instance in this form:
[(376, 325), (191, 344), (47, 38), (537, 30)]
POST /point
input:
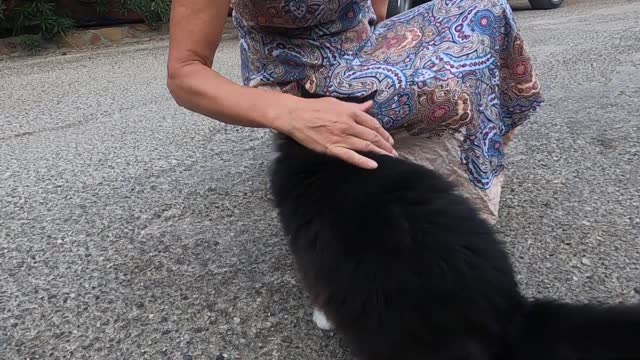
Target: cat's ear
[(304, 93), (370, 97), (359, 99)]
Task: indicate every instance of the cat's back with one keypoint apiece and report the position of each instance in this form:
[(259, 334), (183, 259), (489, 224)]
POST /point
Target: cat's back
[(299, 175), (315, 188)]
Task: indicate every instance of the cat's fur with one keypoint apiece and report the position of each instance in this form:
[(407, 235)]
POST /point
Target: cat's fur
[(404, 268)]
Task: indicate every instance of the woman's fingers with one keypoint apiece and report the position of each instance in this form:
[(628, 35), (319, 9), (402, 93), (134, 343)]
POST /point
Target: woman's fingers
[(348, 150), (370, 122), (365, 139), (352, 157)]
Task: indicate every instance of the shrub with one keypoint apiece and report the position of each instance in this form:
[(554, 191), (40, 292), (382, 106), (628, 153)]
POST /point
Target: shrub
[(32, 44), (154, 12), (47, 19), (34, 17)]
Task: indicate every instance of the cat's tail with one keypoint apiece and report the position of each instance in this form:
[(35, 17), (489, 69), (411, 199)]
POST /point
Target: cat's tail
[(561, 330)]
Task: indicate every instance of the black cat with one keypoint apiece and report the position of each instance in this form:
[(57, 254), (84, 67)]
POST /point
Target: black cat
[(404, 268)]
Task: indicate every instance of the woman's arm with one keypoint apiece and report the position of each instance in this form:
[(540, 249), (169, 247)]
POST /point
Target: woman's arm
[(195, 33), (380, 8), (325, 125)]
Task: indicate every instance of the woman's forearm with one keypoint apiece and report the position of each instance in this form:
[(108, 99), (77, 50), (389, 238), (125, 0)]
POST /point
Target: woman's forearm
[(380, 8), (196, 30), (198, 88)]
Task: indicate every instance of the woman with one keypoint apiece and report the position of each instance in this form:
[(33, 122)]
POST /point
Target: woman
[(453, 79)]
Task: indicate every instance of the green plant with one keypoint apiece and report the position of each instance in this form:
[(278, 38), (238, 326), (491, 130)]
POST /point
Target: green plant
[(35, 17), (103, 6), (153, 12), (31, 43)]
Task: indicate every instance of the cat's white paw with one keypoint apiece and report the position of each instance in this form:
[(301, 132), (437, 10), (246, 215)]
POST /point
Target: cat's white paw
[(321, 321)]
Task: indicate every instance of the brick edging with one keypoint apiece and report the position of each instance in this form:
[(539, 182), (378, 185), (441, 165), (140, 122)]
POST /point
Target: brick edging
[(101, 37)]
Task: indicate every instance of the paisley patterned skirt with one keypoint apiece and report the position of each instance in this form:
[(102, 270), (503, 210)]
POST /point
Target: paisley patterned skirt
[(453, 79)]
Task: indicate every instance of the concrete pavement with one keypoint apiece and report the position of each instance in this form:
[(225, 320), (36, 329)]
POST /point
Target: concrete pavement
[(131, 228)]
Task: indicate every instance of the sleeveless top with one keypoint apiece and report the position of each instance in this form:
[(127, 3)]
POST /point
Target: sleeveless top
[(287, 40)]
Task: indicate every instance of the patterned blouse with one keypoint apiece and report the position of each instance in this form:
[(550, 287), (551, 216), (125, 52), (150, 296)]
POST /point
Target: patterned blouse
[(445, 67)]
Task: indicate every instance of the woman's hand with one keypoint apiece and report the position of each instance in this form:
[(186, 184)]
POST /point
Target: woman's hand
[(336, 128)]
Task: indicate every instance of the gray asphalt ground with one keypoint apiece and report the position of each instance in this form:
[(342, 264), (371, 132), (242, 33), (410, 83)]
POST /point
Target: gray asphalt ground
[(132, 228)]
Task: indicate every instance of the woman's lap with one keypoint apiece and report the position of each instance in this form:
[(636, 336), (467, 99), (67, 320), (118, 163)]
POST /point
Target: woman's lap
[(442, 154)]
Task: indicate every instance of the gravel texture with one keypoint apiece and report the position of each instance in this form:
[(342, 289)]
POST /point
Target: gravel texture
[(134, 229)]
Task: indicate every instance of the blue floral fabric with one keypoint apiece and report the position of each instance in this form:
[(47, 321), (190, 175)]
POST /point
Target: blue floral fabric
[(445, 67)]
